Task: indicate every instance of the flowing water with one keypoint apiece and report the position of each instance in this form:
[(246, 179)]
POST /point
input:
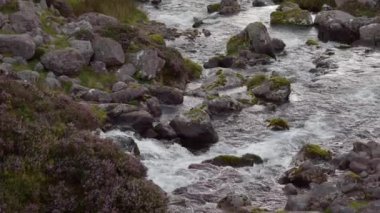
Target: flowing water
[(334, 110)]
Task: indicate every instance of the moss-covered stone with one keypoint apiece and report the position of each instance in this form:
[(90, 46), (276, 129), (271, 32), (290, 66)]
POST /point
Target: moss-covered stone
[(255, 81), (212, 8), (358, 205), (237, 43), (234, 161), (312, 42), (316, 152), (220, 81), (197, 114), (157, 39), (9, 7), (291, 17), (278, 82), (278, 124), (194, 68)]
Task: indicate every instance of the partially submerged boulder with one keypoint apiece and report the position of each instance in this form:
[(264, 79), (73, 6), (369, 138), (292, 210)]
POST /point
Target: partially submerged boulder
[(223, 105), (290, 14), (275, 89), (234, 161), (195, 129), (229, 7), (254, 37)]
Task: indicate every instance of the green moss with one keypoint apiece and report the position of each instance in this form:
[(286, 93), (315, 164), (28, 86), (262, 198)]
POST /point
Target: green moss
[(315, 151), (66, 86), (237, 43), (196, 114), (291, 17), (255, 81), (312, 42), (103, 81), (357, 205), (278, 123), (353, 176), (194, 68), (61, 42), (219, 82), (213, 8), (278, 82), (157, 38), (10, 7)]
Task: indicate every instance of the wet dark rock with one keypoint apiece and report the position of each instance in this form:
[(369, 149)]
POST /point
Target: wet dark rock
[(167, 95), (278, 45), (127, 143), (195, 129), (229, 7), (219, 61), (290, 189), (141, 121), (154, 106), (223, 105), (206, 33), (165, 132), (259, 3), (234, 161), (335, 25)]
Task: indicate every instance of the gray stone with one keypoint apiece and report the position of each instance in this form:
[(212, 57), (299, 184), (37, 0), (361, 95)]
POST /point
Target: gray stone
[(24, 21), (119, 86), (67, 61), (154, 106), (167, 95), (99, 20), (229, 7), (125, 72), (84, 47), (223, 105), (18, 45), (370, 34), (149, 63), (108, 51), (234, 202), (259, 39)]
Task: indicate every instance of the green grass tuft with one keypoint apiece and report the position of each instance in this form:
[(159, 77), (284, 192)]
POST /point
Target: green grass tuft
[(278, 123), (255, 81), (236, 43), (157, 38), (278, 82), (315, 151), (312, 42), (91, 79)]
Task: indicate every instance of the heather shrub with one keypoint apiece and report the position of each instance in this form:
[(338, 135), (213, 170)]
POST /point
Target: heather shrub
[(50, 162)]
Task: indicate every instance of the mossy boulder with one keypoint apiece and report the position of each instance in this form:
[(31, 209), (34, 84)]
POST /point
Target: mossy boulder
[(272, 89), (278, 124), (292, 17), (234, 161), (223, 105), (313, 151), (157, 38), (312, 42), (254, 37), (195, 129), (212, 8)]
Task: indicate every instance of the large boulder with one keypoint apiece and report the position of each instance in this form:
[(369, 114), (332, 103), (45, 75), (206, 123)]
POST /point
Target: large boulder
[(290, 14), (195, 129), (18, 45), (24, 21), (66, 61), (149, 64), (141, 121), (336, 25), (370, 34), (167, 95), (254, 37), (108, 51), (229, 7)]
